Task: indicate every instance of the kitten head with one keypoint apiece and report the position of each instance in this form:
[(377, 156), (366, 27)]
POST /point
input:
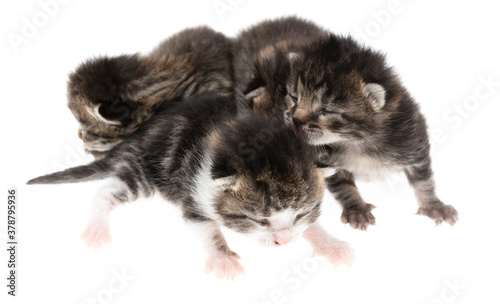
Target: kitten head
[(269, 76), (267, 182), (338, 90), (97, 97)]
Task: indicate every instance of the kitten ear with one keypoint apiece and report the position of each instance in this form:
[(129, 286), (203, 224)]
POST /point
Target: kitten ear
[(254, 93), (254, 87), (326, 170), (375, 94), (225, 175), (96, 112), (114, 112)]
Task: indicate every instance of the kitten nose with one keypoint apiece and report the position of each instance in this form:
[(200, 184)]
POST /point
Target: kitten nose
[(282, 236), (282, 241), (297, 122), (80, 133), (279, 243), (300, 117)]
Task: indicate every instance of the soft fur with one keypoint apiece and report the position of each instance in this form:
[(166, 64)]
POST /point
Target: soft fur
[(253, 175), (251, 49), (346, 100), (112, 96)]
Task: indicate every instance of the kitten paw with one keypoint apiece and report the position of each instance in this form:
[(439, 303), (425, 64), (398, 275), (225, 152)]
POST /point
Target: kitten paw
[(440, 213), (359, 216), (224, 266), (96, 235), (337, 253)]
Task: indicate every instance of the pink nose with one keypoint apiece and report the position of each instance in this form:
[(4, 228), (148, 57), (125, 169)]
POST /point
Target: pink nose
[(282, 236)]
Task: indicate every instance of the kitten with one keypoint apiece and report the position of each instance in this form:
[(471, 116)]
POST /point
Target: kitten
[(254, 44), (267, 91), (345, 98), (252, 175), (112, 96)]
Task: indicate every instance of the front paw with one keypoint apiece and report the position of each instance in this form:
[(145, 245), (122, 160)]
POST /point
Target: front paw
[(440, 213), (337, 253), (96, 234), (358, 216), (224, 266)]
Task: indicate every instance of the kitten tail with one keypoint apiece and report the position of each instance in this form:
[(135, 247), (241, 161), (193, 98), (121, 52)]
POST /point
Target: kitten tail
[(97, 170)]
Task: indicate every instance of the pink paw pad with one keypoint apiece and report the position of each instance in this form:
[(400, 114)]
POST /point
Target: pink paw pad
[(224, 267), (96, 235), (338, 253)]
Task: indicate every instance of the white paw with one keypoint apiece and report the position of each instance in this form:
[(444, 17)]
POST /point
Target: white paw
[(336, 252), (224, 266), (96, 234)]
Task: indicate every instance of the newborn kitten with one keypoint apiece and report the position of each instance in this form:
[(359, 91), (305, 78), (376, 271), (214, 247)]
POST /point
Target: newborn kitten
[(344, 96), (252, 175), (112, 96), (254, 44), (267, 91)]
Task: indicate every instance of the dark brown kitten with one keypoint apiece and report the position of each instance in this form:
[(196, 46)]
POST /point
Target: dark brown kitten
[(346, 99), (353, 107), (251, 49), (112, 96)]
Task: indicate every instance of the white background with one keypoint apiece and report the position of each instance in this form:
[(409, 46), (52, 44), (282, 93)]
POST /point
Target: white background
[(442, 50)]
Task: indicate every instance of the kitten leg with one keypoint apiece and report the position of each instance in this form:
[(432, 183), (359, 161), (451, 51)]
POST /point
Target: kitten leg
[(356, 211), (222, 261), (421, 178), (108, 197), (335, 251)]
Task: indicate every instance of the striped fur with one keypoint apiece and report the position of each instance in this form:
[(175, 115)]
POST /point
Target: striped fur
[(112, 96), (251, 174), (346, 101)]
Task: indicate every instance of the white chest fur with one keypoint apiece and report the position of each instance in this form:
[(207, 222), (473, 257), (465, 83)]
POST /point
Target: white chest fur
[(365, 167)]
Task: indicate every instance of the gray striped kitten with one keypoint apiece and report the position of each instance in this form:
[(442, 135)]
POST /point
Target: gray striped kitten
[(347, 101), (250, 50), (112, 96), (253, 175)]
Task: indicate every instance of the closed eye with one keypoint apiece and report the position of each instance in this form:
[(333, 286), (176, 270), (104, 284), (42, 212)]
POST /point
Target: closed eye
[(89, 133), (262, 222), (329, 112), (236, 216), (92, 134)]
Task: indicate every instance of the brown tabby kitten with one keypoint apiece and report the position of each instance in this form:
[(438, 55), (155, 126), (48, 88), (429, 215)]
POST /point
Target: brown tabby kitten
[(349, 104), (345, 98), (252, 174), (252, 46), (112, 96)]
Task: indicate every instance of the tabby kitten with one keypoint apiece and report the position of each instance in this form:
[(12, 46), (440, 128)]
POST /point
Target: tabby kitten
[(252, 175), (253, 45), (112, 96), (346, 99)]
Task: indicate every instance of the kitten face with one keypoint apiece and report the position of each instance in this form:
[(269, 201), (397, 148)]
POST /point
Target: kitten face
[(331, 107), (273, 194), (273, 212), (332, 92), (267, 92), (97, 98)]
